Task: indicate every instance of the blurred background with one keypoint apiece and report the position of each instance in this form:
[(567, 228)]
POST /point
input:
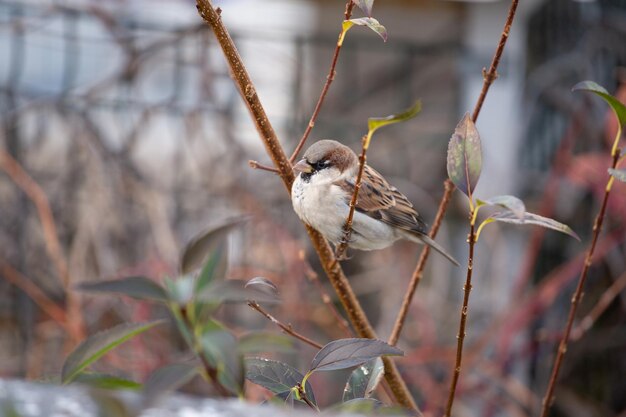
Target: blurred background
[(122, 136)]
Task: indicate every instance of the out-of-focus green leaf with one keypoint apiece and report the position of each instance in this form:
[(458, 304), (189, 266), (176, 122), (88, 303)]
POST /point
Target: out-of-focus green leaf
[(167, 379), (374, 123), (257, 342), (364, 379), (534, 219), (180, 290), (198, 249), (465, 156), (235, 291), (106, 381), (368, 406), (345, 353), (215, 267), (618, 174), (616, 105), (276, 376), (365, 5), (263, 285), (508, 202), (220, 348), (370, 22), (96, 346), (137, 287)]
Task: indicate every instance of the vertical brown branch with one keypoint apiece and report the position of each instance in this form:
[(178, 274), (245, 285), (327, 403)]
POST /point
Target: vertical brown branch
[(488, 78), (417, 273), (274, 149), (464, 309), (347, 227), (597, 227)]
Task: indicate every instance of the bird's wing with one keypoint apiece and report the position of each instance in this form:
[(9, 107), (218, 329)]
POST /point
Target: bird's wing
[(382, 201)]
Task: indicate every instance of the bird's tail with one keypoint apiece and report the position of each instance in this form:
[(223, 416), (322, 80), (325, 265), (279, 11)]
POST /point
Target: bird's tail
[(423, 238)]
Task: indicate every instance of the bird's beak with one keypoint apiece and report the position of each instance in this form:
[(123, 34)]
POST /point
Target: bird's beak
[(303, 166)]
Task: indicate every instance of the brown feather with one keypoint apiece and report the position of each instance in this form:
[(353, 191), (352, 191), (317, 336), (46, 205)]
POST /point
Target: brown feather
[(382, 201)]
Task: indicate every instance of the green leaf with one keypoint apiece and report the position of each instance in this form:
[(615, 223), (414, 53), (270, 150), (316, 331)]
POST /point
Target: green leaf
[(235, 291), (180, 290), (345, 353), (167, 379), (365, 5), (257, 342), (506, 201), (215, 267), (200, 247), (220, 348), (534, 219), (371, 23), (618, 174), (364, 379), (106, 381), (96, 346), (276, 376), (361, 406), (616, 105), (465, 156), (374, 123), (141, 288)]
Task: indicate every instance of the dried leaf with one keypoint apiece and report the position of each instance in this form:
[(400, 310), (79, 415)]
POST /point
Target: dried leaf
[(465, 156)]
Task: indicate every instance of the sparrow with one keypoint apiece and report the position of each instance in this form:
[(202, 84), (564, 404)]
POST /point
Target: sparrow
[(322, 191)]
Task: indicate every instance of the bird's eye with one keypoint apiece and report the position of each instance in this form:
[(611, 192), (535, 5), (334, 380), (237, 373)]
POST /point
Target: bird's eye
[(320, 165)]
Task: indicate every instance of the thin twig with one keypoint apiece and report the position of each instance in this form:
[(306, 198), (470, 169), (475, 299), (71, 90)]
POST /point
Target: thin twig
[(257, 165), (488, 78), (51, 238), (347, 226), (603, 303), (467, 288), (312, 276), (329, 79), (328, 261), (597, 228), (284, 327), (418, 272), (37, 295)]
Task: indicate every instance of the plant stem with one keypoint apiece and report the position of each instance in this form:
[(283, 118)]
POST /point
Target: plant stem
[(329, 79), (328, 261), (464, 310), (490, 76), (488, 79), (418, 272), (211, 372), (284, 327), (347, 227), (597, 227)]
